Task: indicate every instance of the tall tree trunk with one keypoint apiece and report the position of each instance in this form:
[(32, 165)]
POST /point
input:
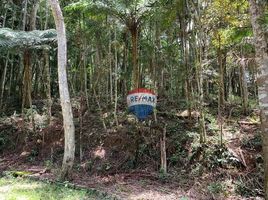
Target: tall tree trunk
[(243, 86), (11, 77), (257, 9), (69, 132), (34, 15), (157, 57), (116, 80), (27, 81), (3, 81), (187, 81), (47, 85), (125, 63), (221, 96), (24, 20), (199, 73), (221, 76), (110, 67), (135, 66)]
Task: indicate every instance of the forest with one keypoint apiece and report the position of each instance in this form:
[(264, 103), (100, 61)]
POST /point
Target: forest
[(134, 99)]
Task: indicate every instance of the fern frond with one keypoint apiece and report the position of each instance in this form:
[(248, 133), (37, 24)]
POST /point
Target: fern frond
[(10, 39)]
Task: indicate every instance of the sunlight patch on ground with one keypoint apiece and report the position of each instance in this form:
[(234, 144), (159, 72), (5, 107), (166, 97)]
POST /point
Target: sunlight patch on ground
[(9, 187), (99, 153), (23, 189), (153, 195)]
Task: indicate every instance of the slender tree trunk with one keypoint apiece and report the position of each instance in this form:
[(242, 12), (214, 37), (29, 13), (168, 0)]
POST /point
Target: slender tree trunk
[(34, 15), (135, 66), (85, 76), (110, 68), (46, 15), (3, 82), (69, 132), (37, 76), (11, 77), (157, 57), (221, 99), (24, 20), (185, 53), (199, 72), (221, 76), (124, 64), (254, 82), (243, 86), (257, 9), (187, 84), (47, 86), (4, 19), (115, 81), (163, 150)]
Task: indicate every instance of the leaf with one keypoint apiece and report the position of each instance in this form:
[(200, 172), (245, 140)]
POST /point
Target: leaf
[(11, 39)]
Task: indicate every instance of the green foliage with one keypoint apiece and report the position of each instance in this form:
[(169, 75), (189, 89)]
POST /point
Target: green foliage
[(254, 143), (18, 188), (250, 186), (7, 138), (197, 170), (180, 140), (231, 36), (212, 157), (48, 164), (163, 177), (220, 157), (11, 174), (216, 188), (212, 125), (11, 39), (79, 6)]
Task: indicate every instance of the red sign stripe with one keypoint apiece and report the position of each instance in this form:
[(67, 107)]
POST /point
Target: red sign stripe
[(141, 90)]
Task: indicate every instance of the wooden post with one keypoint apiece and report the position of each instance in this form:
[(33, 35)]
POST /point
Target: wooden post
[(163, 150)]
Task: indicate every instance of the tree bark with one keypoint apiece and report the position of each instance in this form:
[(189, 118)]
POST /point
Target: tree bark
[(24, 20), (135, 70), (34, 14), (3, 81), (69, 132), (27, 81), (47, 86), (261, 47), (115, 81), (243, 86), (163, 151)]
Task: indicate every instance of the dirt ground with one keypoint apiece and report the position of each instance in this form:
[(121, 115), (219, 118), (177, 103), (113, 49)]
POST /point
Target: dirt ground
[(40, 152)]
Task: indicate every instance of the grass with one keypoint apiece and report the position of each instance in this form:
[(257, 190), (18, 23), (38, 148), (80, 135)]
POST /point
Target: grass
[(24, 189)]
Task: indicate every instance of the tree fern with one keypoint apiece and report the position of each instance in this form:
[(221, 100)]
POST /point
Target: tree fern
[(10, 39)]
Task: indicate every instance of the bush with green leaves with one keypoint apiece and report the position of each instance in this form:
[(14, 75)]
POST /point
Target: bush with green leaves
[(7, 138), (216, 187), (254, 143)]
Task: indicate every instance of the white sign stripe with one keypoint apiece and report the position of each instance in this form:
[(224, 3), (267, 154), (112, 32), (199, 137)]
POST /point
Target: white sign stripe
[(141, 99)]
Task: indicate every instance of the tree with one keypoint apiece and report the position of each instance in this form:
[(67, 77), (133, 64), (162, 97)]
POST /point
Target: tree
[(69, 131), (24, 41), (257, 11), (132, 16)]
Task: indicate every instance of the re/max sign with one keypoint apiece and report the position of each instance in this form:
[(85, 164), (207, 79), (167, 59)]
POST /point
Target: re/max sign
[(142, 98)]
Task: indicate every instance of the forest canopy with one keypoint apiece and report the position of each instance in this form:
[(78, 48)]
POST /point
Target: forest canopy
[(75, 75)]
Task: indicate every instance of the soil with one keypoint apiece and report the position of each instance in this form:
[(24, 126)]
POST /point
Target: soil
[(124, 161)]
